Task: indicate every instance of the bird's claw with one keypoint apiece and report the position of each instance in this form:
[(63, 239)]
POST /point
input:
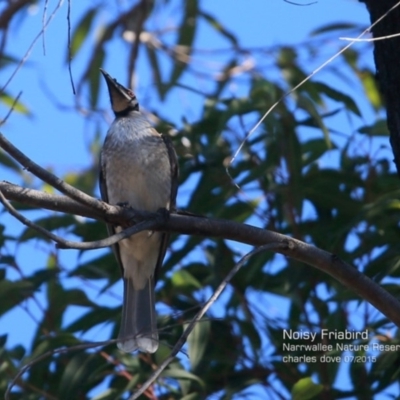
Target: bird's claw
[(162, 215)]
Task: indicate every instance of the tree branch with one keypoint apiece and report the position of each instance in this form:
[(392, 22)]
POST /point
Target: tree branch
[(67, 244), (51, 179), (39, 199), (209, 227)]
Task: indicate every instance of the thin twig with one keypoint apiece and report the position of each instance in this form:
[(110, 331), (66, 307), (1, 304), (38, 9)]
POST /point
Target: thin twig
[(110, 240), (296, 87), (28, 52), (43, 25), (11, 109), (375, 39), (49, 353), (69, 47), (199, 315), (28, 386), (298, 4)]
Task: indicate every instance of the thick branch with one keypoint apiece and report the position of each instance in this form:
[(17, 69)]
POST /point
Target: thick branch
[(39, 199), (51, 179), (207, 227), (56, 202)]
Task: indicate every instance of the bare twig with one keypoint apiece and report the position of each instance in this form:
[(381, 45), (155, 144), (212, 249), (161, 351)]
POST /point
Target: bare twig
[(69, 47), (298, 4), (28, 52), (28, 386), (110, 240), (374, 39), (181, 341), (44, 15), (322, 66), (11, 109), (49, 353)]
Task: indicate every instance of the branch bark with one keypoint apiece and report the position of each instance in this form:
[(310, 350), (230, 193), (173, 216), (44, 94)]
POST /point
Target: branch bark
[(51, 179), (210, 227)]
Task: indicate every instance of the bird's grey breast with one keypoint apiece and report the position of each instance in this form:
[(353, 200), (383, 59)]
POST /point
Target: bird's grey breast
[(136, 165)]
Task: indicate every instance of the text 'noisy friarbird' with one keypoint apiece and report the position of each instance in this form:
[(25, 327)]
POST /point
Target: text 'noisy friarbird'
[(138, 167)]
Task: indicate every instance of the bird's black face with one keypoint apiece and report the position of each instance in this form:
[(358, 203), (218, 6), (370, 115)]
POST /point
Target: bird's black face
[(122, 99)]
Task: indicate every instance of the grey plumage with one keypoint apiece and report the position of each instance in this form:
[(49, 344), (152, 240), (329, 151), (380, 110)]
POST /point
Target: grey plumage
[(137, 166)]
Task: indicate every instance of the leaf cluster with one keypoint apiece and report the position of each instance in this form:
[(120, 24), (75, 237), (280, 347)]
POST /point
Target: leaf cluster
[(303, 173)]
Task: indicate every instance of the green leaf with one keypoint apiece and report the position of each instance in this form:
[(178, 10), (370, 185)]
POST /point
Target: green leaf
[(13, 293), (371, 89), (81, 32), (184, 279), (97, 316), (9, 162), (78, 297), (80, 375), (3, 340), (186, 35), (103, 267), (314, 149), (94, 76), (198, 341), (338, 96), (10, 102), (153, 59), (47, 343), (378, 128), (176, 372), (192, 396), (306, 389), (6, 60), (307, 105), (219, 28), (334, 27)]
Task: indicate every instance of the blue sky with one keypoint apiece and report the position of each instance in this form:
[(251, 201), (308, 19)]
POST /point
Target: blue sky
[(57, 137)]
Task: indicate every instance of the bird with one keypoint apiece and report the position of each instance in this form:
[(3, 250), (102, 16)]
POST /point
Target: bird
[(139, 168)]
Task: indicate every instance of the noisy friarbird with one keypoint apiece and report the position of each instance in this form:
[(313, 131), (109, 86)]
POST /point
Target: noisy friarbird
[(138, 167)]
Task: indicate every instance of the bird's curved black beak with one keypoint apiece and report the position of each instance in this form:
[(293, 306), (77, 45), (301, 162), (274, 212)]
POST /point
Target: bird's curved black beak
[(121, 98)]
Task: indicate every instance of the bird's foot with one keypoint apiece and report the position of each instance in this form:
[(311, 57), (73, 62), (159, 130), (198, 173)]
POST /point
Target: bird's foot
[(162, 215), (126, 206)]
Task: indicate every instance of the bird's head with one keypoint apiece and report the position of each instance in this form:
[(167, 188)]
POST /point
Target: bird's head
[(122, 99)]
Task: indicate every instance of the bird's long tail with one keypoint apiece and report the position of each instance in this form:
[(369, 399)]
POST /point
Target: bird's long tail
[(138, 325)]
